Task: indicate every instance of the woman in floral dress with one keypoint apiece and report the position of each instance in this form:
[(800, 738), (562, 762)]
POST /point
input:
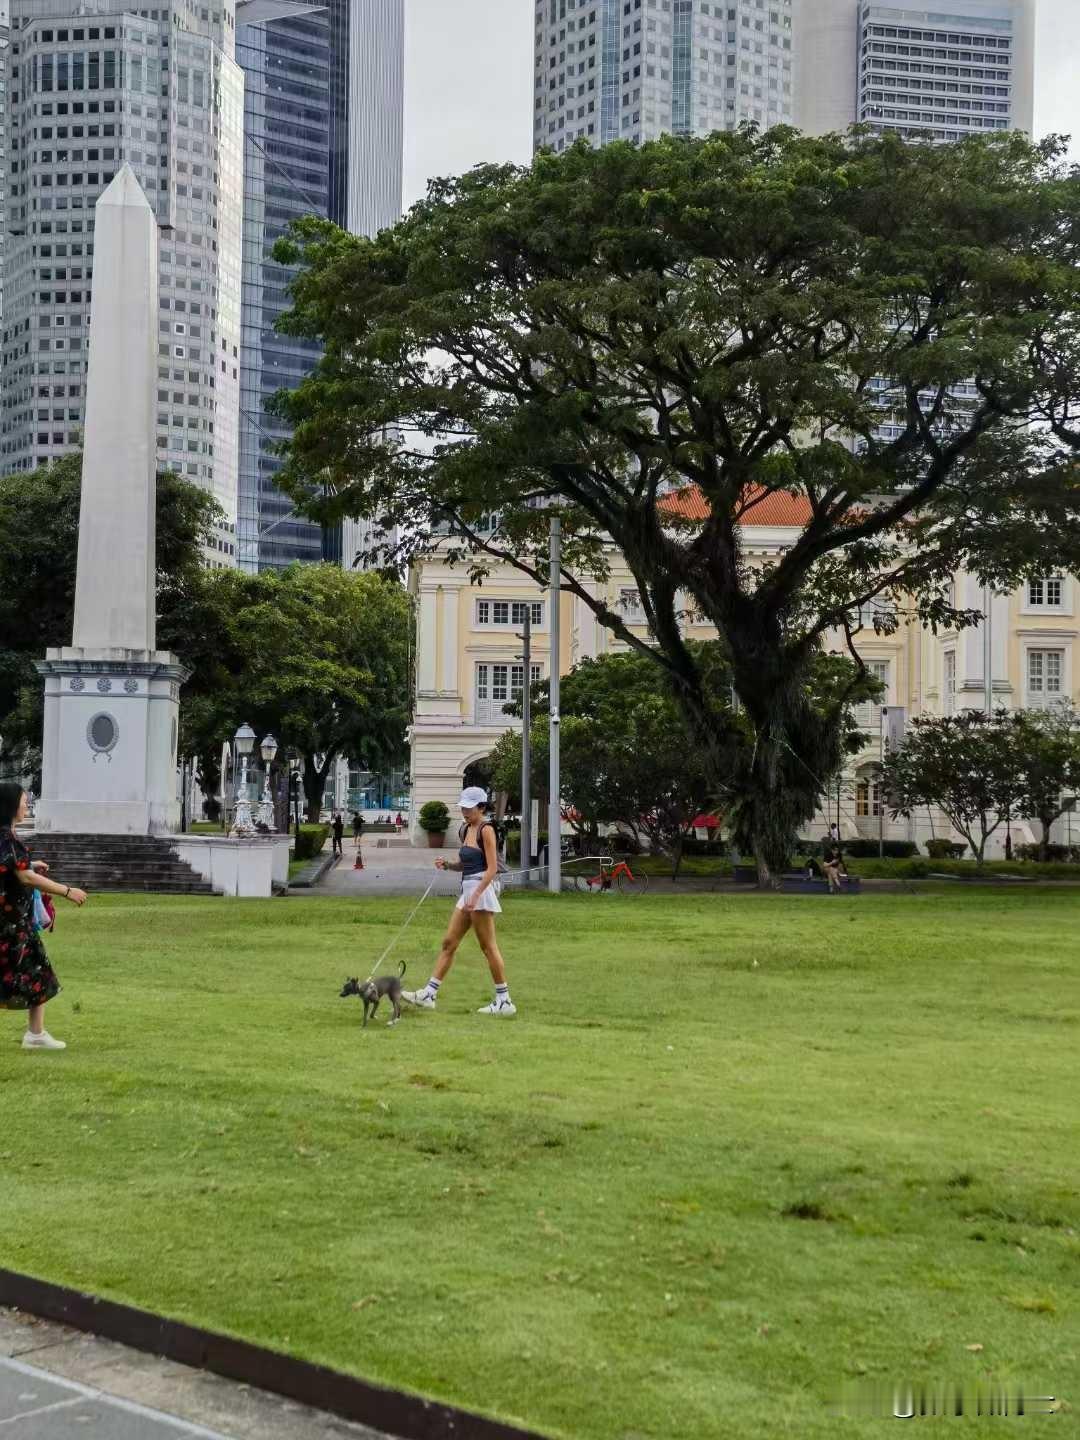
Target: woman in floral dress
[(27, 980)]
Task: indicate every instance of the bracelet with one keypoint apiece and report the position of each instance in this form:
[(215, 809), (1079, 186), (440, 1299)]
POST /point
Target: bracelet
[(67, 892)]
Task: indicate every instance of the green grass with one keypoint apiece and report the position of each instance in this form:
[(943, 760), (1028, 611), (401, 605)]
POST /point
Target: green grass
[(733, 1152)]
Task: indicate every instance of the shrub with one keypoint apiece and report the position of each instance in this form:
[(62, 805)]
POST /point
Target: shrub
[(871, 849), (310, 841), (693, 846), (434, 818), (1059, 853), (513, 846), (945, 850), (623, 844)]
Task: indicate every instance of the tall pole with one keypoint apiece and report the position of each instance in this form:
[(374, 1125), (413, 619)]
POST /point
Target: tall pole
[(554, 785), (526, 749), (881, 788), (988, 653)]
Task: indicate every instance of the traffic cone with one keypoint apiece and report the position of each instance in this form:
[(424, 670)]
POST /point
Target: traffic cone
[(358, 863)]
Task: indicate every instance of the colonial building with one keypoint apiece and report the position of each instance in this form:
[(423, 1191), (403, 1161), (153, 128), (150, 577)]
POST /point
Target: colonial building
[(469, 665)]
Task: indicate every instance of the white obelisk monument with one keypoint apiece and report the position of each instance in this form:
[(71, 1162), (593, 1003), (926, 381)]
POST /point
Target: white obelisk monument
[(112, 698)]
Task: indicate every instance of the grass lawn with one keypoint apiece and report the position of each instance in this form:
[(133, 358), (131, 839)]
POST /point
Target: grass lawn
[(733, 1151)]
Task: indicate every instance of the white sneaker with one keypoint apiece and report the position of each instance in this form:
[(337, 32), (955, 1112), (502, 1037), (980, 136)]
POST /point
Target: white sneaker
[(498, 1007), (44, 1041), (423, 999)]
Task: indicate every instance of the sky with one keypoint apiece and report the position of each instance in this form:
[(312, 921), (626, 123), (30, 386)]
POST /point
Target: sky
[(468, 83)]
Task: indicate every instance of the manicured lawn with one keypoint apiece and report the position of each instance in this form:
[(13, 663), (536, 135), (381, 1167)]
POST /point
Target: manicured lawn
[(733, 1151)]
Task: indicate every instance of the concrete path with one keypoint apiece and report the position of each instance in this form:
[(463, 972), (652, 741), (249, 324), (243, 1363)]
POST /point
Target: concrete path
[(394, 869), (59, 1384)]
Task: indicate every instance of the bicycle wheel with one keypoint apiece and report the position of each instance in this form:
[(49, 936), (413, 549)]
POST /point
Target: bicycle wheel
[(632, 884)]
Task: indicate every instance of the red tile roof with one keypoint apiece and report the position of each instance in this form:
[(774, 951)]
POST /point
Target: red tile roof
[(759, 507)]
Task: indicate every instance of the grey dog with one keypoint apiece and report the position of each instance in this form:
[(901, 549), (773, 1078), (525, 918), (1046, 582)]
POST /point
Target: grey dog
[(372, 991)]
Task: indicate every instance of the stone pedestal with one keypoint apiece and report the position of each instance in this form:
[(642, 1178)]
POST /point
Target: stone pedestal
[(109, 746)]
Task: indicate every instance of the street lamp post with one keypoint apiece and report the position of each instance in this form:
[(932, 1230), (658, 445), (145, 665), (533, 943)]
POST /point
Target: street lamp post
[(244, 739), (268, 749)]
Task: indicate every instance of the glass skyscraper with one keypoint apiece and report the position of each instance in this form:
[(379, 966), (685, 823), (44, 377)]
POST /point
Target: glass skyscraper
[(635, 69), (323, 135), (159, 88)]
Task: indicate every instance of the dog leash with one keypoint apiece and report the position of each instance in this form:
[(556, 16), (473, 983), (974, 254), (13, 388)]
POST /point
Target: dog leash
[(411, 916), (412, 913)]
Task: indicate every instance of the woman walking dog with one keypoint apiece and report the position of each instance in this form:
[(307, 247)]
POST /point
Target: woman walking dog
[(27, 980), (478, 864)]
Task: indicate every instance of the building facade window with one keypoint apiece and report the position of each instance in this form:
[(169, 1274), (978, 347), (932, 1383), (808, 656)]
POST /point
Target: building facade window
[(867, 796), (1045, 678), (1047, 592), (868, 714), (948, 682), (499, 684), (494, 613)]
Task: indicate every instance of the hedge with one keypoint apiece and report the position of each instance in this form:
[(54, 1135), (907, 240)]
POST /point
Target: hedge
[(310, 841)]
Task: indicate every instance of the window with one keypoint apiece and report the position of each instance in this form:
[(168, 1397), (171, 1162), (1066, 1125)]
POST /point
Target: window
[(509, 612), (867, 796), (1045, 678), (631, 607), (1046, 591), (498, 685), (867, 613), (948, 684), (868, 714)]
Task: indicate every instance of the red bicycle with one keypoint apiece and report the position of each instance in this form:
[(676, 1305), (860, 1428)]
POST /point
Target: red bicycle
[(612, 873)]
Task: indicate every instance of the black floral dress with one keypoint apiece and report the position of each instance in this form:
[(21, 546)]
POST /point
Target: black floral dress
[(26, 977)]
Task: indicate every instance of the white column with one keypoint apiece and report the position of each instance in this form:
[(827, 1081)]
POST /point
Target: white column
[(448, 677), (426, 655)]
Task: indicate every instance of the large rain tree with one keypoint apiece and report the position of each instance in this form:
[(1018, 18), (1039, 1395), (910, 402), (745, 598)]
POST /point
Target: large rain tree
[(867, 325)]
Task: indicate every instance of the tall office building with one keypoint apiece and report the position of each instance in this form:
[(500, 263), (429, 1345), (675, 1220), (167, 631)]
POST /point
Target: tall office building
[(635, 69), (160, 89), (961, 67), (324, 110)]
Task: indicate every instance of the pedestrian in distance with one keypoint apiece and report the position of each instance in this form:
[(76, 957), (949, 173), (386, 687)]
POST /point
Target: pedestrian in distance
[(832, 860), (478, 865), (337, 829), (27, 980), (357, 828)]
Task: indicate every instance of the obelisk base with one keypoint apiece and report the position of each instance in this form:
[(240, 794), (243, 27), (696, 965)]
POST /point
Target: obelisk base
[(110, 738)]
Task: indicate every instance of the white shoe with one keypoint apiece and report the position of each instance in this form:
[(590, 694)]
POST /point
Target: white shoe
[(44, 1041), (422, 999), (498, 1007)]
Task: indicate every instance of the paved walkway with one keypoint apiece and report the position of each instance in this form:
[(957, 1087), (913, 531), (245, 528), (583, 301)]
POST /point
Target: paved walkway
[(59, 1384), (394, 869)]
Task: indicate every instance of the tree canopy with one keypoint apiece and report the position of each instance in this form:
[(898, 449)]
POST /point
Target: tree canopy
[(316, 655), (866, 325), (39, 529)]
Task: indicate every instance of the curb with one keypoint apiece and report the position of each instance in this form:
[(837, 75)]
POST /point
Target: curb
[(315, 872), (393, 1412)]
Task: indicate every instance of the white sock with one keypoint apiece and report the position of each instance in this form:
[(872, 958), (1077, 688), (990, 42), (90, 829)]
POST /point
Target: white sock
[(432, 988)]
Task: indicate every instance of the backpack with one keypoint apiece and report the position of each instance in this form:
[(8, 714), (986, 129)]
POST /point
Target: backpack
[(501, 866)]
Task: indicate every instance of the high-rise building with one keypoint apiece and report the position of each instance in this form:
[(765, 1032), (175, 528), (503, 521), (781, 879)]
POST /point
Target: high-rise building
[(324, 111), (635, 69), (159, 88), (959, 68)]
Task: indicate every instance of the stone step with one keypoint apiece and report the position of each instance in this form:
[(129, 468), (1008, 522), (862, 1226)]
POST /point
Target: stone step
[(142, 864)]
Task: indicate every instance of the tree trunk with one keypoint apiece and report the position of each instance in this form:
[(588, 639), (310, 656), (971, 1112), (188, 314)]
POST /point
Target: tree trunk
[(1044, 843), (678, 860), (315, 785)]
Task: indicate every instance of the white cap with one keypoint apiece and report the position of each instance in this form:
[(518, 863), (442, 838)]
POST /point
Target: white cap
[(471, 797)]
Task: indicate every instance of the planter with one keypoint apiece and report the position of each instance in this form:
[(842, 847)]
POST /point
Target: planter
[(436, 842)]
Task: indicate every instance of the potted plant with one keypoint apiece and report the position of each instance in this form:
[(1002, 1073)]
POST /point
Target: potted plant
[(435, 821)]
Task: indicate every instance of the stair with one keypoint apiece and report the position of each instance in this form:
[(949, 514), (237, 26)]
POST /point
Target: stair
[(129, 863)]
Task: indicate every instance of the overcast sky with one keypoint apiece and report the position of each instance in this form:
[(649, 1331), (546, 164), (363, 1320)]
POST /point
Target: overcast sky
[(468, 76)]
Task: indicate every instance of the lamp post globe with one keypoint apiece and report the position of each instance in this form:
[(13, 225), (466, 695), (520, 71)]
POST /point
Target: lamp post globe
[(244, 740), (268, 749)]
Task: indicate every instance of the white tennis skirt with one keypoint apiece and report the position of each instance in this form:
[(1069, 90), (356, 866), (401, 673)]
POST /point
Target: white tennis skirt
[(489, 900)]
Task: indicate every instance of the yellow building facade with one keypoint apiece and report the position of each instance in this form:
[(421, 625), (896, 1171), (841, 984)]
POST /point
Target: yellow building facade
[(469, 665)]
